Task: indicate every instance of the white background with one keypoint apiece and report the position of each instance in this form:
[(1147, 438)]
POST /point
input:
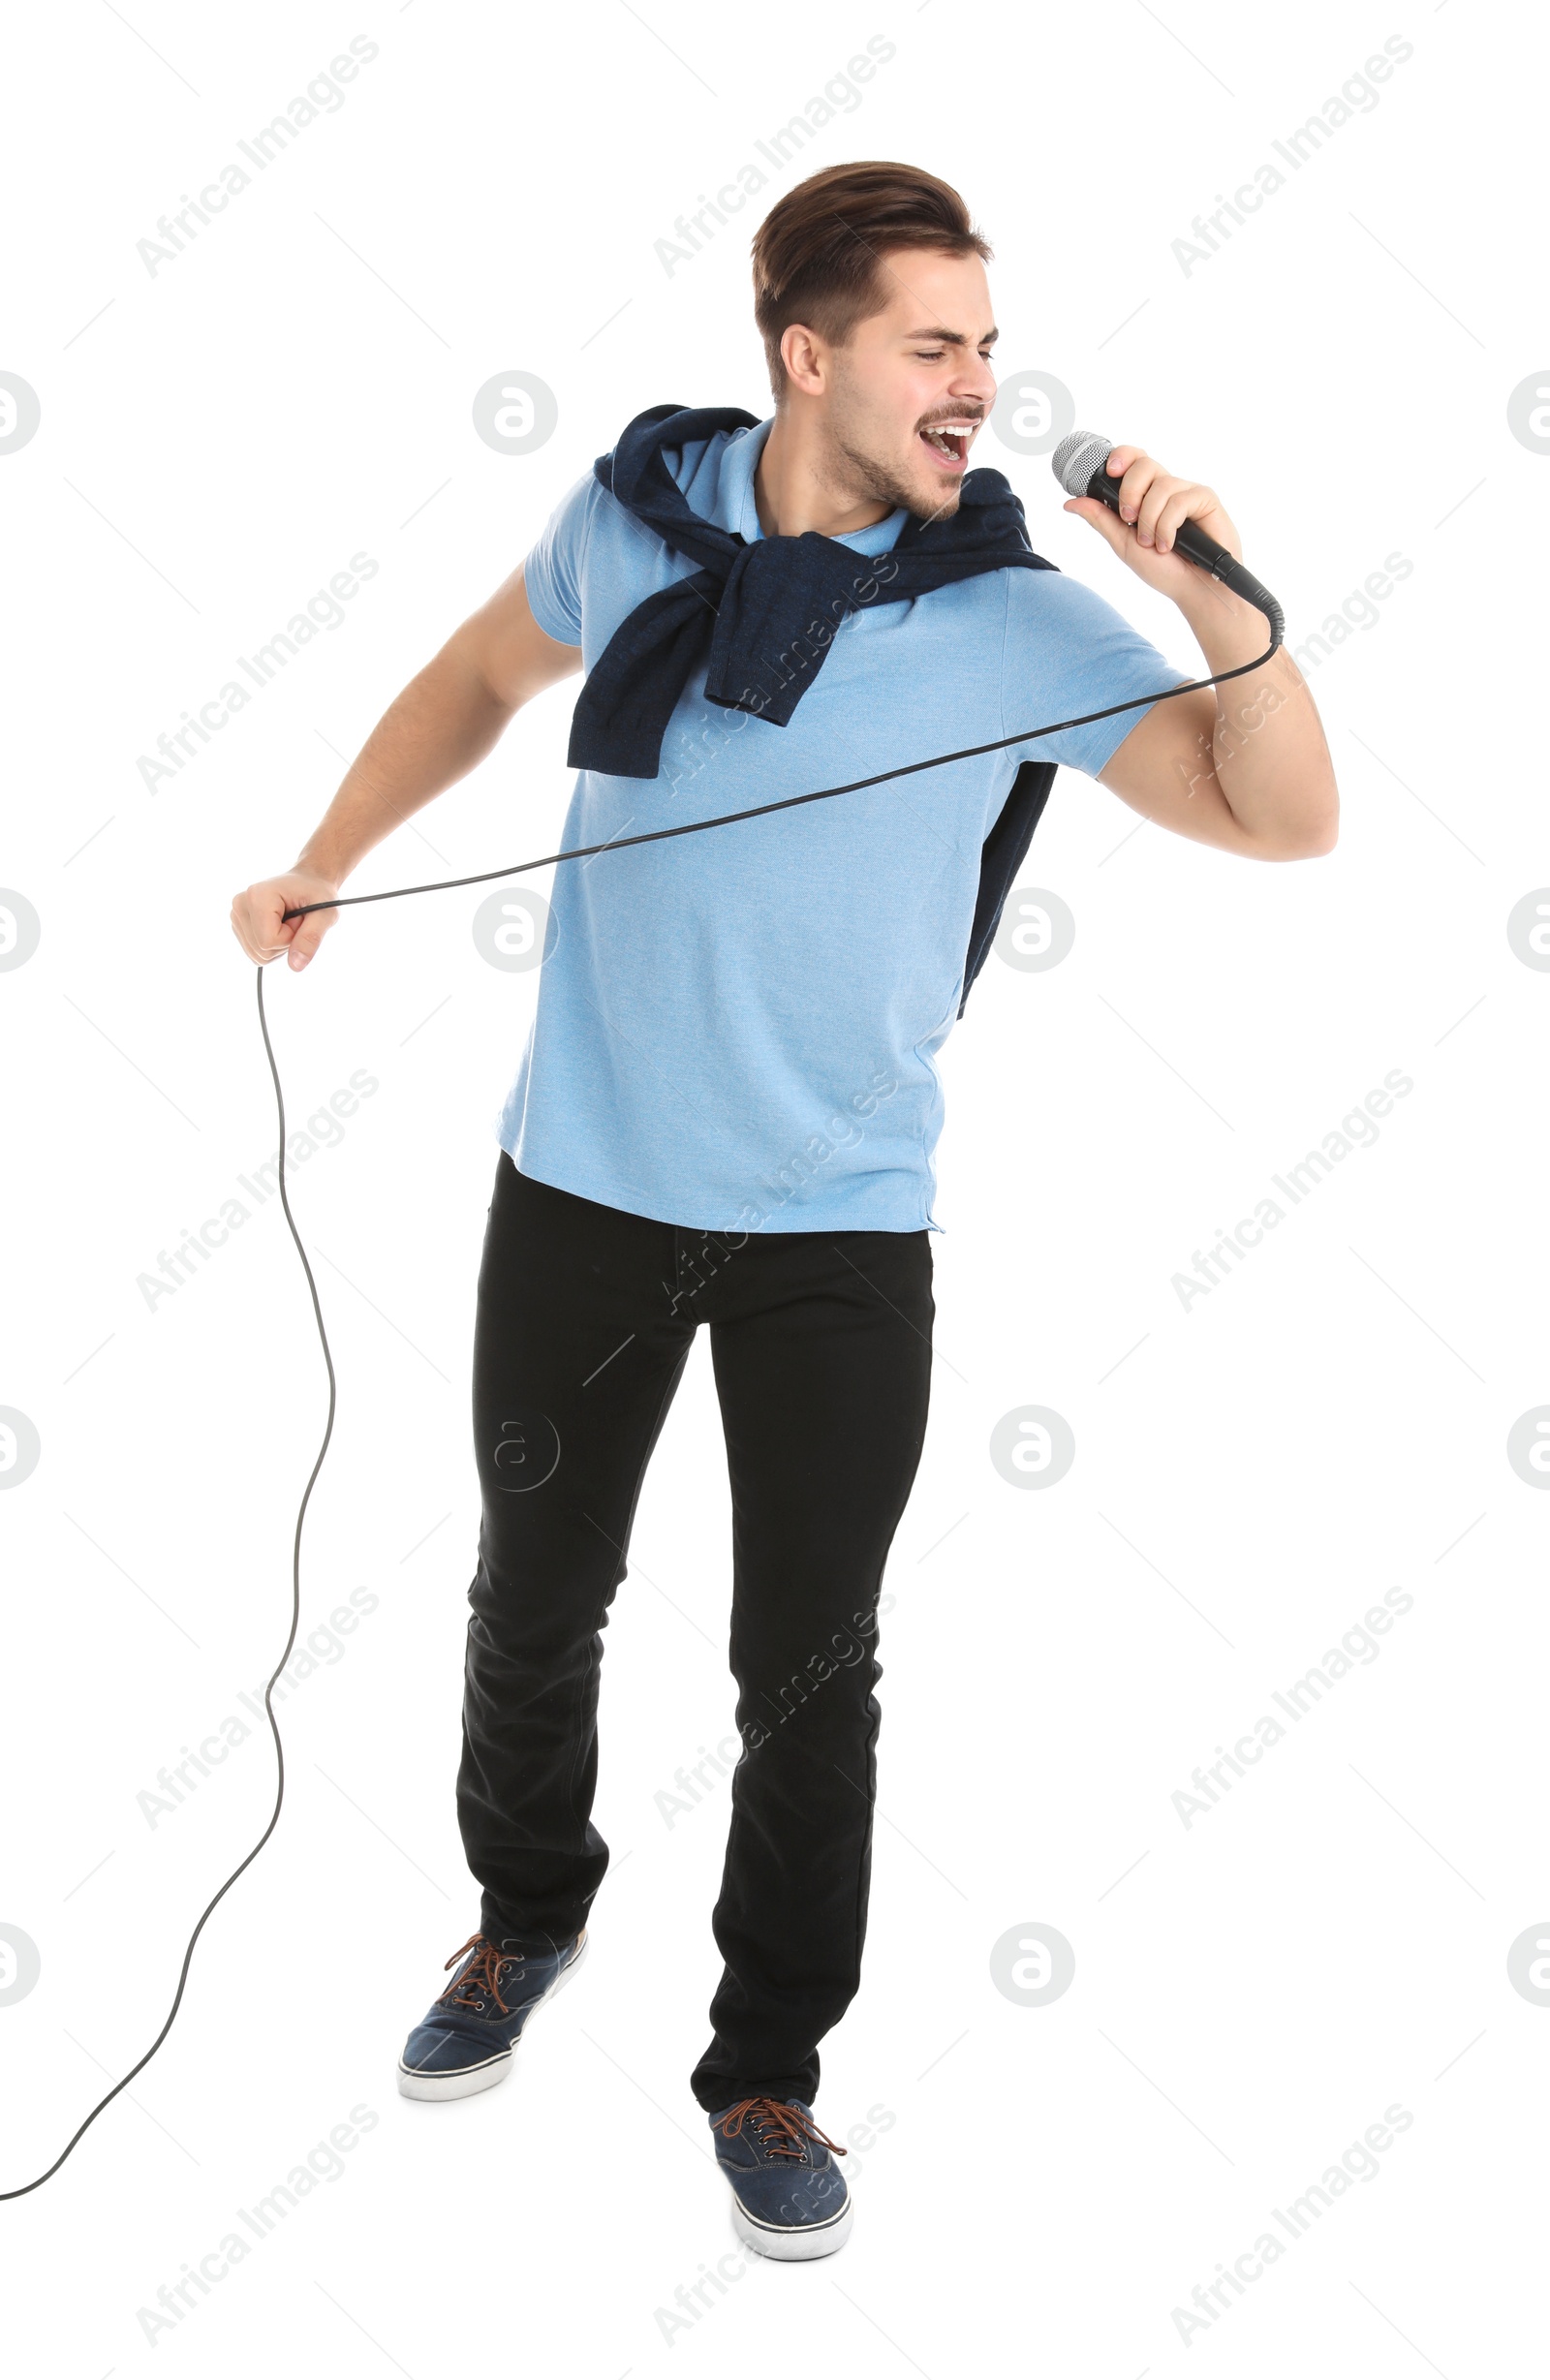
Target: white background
[(1252, 1473)]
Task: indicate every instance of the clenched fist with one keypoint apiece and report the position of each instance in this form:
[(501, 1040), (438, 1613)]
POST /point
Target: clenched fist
[(256, 918)]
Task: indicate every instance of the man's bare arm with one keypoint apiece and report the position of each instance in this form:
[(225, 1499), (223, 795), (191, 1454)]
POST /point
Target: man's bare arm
[(1244, 766), (443, 723)]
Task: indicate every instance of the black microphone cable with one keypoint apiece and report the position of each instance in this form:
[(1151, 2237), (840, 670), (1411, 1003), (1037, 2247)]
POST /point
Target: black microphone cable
[(295, 1616), (1262, 600), (795, 801)]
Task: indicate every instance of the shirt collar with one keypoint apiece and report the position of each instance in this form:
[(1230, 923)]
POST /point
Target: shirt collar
[(736, 510)]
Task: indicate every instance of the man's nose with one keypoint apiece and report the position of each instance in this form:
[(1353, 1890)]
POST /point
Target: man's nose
[(977, 384)]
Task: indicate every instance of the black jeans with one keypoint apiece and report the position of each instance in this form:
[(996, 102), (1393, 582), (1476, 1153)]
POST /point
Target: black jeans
[(821, 1348)]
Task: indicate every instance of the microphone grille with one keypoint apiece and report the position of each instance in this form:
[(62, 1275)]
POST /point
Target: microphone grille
[(1076, 458)]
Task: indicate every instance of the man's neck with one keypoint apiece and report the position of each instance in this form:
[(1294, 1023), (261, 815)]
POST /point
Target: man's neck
[(791, 493)]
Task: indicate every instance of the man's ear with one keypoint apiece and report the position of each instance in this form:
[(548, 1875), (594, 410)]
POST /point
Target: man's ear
[(802, 353)]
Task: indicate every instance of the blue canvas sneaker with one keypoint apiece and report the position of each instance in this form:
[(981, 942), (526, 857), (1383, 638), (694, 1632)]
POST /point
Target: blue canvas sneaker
[(465, 2040), (789, 2199)]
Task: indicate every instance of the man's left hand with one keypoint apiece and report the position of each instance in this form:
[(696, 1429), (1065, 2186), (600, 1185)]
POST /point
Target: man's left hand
[(1152, 506)]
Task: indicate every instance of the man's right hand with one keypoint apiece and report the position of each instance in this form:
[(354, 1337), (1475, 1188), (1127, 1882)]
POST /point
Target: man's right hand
[(256, 918), (445, 720)]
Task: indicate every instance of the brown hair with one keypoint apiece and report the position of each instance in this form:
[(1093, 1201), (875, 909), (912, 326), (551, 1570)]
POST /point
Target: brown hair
[(816, 254)]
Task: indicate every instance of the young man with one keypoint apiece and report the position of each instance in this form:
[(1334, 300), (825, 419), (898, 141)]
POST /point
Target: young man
[(728, 1107)]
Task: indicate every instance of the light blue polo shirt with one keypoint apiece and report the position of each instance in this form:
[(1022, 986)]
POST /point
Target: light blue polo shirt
[(737, 1030)]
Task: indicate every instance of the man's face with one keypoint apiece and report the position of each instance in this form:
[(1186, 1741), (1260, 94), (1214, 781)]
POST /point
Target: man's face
[(913, 387)]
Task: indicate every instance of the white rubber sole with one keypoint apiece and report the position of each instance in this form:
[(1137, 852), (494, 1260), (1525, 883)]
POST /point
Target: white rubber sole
[(793, 2245), (416, 2084)]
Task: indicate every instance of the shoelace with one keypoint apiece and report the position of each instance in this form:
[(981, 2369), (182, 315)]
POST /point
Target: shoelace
[(483, 1976), (784, 2131)]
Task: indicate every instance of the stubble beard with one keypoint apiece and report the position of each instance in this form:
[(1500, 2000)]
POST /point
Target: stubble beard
[(855, 474), (886, 486)]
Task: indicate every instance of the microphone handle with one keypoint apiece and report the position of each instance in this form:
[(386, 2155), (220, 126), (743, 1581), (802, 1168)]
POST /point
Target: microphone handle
[(1206, 554)]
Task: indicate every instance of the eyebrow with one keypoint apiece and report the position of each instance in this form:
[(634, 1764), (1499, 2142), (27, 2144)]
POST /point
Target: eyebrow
[(952, 338)]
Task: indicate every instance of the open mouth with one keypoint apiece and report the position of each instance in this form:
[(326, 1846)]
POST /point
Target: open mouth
[(947, 444)]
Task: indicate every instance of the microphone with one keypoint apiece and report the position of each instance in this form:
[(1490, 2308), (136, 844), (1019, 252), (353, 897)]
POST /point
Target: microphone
[(1078, 463)]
